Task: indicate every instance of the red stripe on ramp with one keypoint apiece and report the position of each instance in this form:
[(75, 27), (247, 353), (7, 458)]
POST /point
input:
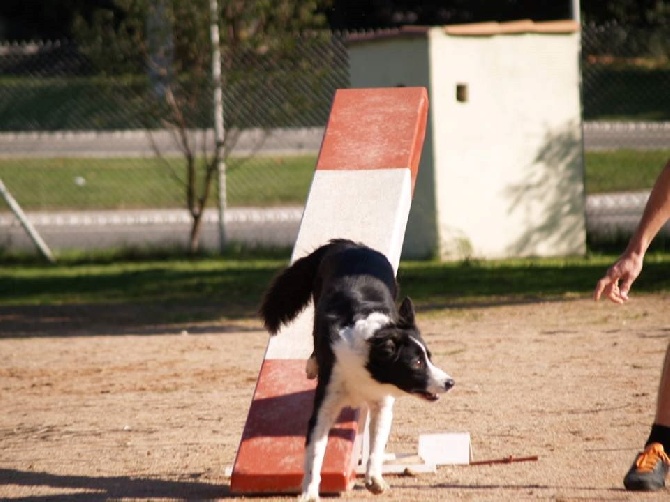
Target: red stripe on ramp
[(271, 453), (375, 129)]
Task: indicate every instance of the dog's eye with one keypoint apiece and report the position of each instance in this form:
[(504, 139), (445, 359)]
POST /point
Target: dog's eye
[(417, 364)]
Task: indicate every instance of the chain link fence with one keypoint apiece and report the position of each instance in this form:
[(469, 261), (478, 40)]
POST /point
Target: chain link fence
[(626, 113), (81, 149), (54, 105), (75, 140)]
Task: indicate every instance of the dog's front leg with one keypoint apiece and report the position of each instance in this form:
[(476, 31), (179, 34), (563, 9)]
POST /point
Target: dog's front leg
[(381, 416), (327, 407)]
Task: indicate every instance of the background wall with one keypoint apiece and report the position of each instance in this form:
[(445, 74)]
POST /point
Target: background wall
[(404, 61), (502, 171), (508, 161)]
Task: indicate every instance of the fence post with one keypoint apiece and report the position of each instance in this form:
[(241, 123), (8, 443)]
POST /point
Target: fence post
[(28, 227), (575, 11), (219, 131)]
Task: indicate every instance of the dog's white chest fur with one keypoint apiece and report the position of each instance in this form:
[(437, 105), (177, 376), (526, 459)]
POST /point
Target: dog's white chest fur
[(350, 373)]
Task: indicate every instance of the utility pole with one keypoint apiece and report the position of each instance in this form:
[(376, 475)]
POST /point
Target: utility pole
[(574, 11), (219, 131)]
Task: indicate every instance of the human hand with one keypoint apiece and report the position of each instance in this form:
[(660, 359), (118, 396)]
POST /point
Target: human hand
[(619, 278)]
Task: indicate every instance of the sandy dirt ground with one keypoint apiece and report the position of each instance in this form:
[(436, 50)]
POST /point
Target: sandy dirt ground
[(97, 406)]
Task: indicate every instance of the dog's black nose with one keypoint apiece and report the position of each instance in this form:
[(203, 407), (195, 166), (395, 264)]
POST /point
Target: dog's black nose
[(449, 384)]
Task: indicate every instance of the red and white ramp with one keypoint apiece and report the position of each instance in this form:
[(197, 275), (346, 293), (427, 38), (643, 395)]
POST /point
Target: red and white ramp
[(362, 190)]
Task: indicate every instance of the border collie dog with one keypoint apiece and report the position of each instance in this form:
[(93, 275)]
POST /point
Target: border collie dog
[(367, 351)]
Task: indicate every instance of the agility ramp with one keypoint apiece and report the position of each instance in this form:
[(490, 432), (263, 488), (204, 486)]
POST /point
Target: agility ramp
[(361, 190)]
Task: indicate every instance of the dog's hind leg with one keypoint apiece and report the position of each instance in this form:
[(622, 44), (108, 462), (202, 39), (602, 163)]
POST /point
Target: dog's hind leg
[(327, 406), (381, 417)]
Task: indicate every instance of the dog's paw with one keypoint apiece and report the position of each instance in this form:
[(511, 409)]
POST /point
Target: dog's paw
[(311, 368), (307, 497), (376, 485)]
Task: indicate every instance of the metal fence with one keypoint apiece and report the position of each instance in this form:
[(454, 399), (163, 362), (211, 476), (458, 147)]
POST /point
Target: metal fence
[(54, 104), (87, 153), (626, 113), (76, 140)]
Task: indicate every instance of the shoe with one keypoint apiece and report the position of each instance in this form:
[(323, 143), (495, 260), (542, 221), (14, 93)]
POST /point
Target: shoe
[(648, 472)]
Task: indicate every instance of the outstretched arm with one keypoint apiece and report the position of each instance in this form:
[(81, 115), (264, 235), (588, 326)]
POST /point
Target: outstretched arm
[(619, 277)]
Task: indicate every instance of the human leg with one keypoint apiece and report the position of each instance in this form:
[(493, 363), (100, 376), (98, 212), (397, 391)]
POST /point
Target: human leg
[(650, 468), (663, 399)]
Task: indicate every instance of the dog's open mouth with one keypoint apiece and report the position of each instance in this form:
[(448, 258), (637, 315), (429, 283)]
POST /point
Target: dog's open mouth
[(428, 396)]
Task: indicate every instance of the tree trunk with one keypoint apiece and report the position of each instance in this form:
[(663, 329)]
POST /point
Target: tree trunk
[(194, 236)]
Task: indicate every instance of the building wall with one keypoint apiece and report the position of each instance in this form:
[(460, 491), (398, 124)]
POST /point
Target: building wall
[(404, 61), (508, 161), (501, 173)]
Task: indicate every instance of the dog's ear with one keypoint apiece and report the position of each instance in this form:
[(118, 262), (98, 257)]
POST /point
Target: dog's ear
[(406, 311), (384, 345)]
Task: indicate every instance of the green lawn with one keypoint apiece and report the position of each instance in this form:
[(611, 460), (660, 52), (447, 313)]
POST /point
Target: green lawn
[(236, 283), (65, 183), (622, 170), (113, 183), (626, 92)]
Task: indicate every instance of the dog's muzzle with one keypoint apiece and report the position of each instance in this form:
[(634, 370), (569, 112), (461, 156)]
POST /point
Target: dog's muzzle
[(429, 395)]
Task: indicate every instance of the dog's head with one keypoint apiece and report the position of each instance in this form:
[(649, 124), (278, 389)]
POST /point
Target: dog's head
[(398, 356)]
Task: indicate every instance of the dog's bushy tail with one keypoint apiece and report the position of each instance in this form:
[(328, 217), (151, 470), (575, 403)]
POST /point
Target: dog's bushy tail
[(290, 291)]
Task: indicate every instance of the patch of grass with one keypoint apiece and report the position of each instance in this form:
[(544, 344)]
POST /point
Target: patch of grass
[(236, 284), (436, 284), (235, 251), (623, 170), (113, 183), (626, 92), (137, 183), (73, 103)]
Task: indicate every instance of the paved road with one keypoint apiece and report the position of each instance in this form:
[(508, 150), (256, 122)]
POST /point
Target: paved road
[(597, 136), (268, 227), (633, 135), (606, 215), (141, 143)]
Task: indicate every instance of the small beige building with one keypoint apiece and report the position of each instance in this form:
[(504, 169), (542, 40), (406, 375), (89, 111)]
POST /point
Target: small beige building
[(501, 173)]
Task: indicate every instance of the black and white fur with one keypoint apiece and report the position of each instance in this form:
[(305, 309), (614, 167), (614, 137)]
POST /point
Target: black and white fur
[(366, 350)]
